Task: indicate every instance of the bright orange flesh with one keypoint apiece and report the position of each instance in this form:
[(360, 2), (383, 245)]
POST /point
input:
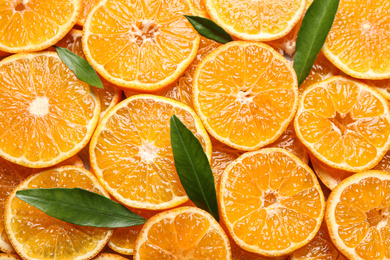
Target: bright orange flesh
[(107, 256), (240, 254), (358, 216), (344, 123), (131, 151), (246, 94), (182, 233), (86, 7), (35, 235), (359, 37), (271, 202), (140, 47), (47, 114), (256, 20), (200, 8), (383, 86), (35, 25)]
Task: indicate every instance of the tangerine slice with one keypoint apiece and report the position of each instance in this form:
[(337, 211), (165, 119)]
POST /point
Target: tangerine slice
[(246, 94), (358, 216), (131, 151), (86, 6), (344, 123), (35, 235), (182, 233), (271, 202), (140, 45)]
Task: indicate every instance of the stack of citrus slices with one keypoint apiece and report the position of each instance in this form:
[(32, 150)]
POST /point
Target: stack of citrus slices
[(300, 171)]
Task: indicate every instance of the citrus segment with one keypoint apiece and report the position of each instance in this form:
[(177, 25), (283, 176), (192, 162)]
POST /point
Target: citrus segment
[(344, 123), (48, 115), (240, 254), (140, 47), (383, 86), (131, 151), (35, 25), (35, 235), (271, 202), (246, 94), (200, 8), (182, 233), (358, 216), (359, 37), (107, 256), (256, 20), (86, 7)]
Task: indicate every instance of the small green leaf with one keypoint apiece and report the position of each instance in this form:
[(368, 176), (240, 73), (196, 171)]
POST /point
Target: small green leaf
[(193, 167), (209, 29), (80, 207), (80, 67), (315, 27)]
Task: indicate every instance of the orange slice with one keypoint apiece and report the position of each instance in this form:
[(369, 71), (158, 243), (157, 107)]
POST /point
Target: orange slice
[(35, 25), (110, 95), (9, 257), (344, 123), (358, 216), (271, 202), (358, 39), (383, 86), (35, 235), (139, 45), (86, 6), (200, 8), (131, 152), (107, 256), (320, 247), (256, 20), (240, 254), (246, 94), (182, 233)]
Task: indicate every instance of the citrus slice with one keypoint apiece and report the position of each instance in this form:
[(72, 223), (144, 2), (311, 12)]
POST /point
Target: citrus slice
[(47, 114), (140, 45), (86, 7), (131, 151), (246, 94), (320, 247), (271, 202), (239, 254), (9, 257), (35, 25), (383, 86), (107, 256), (182, 233), (200, 8), (256, 20), (358, 216), (35, 235), (109, 96), (344, 123), (359, 37)]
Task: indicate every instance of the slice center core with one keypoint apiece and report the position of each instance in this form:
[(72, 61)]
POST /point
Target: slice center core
[(39, 106), (144, 31), (148, 152)]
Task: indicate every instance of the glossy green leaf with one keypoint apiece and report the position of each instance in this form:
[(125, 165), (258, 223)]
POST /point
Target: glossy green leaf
[(193, 167), (209, 29), (315, 27), (80, 67), (80, 207)]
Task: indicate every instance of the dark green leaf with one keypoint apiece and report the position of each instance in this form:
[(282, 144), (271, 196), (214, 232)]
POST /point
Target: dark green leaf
[(315, 27), (193, 167), (80, 207), (80, 67), (209, 29)]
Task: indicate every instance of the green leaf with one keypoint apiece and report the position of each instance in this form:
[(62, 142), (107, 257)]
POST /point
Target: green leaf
[(315, 27), (193, 167), (80, 67), (80, 207), (209, 29)]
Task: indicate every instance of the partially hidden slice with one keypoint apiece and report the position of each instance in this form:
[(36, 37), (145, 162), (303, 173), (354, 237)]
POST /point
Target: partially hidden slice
[(271, 202), (182, 233), (246, 94), (35, 235), (131, 151), (358, 216), (108, 256), (86, 7)]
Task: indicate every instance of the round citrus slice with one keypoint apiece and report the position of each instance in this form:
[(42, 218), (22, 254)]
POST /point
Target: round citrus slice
[(359, 37), (47, 114), (246, 94), (256, 20), (86, 7), (358, 216), (344, 123), (131, 151), (271, 202), (383, 86), (140, 45), (9, 257), (35, 235), (109, 96), (107, 256), (182, 233), (320, 247), (35, 25)]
